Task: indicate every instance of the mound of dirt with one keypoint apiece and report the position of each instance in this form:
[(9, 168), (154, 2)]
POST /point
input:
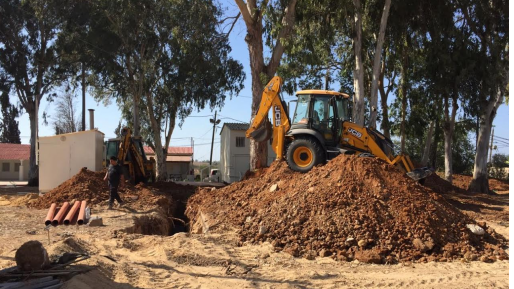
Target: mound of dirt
[(351, 208), (89, 186)]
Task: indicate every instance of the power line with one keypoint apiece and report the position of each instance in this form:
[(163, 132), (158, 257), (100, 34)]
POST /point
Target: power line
[(501, 138), (226, 117)]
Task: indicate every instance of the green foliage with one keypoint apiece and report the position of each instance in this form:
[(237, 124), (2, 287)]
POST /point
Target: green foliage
[(9, 131), (164, 54), (500, 160)]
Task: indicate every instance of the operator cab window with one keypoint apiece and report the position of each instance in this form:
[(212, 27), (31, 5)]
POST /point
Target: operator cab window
[(301, 114)]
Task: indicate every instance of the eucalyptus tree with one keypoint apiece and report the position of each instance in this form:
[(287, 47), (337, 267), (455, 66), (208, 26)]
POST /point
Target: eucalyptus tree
[(488, 25), (29, 61), (272, 24), (161, 60)]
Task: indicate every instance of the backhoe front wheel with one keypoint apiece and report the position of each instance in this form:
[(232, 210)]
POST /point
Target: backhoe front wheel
[(303, 154)]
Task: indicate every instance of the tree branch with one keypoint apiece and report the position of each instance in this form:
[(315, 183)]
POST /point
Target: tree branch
[(285, 32), (245, 12)]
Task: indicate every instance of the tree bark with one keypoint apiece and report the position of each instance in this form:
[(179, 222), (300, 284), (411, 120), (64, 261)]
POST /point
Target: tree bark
[(358, 74), (260, 72), (258, 150), (448, 129), (376, 66), (33, 168), (480, 182), (403, 93), (385, 125), (160, 156), (428, 143)]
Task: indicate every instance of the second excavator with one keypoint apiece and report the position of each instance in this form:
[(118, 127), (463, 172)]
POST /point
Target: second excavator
[(320, 130)]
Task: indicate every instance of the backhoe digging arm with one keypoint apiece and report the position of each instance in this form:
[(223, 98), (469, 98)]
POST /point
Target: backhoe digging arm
[(259, 127)]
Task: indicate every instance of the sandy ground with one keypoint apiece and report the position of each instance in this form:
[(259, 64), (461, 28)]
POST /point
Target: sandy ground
[(121, 260)]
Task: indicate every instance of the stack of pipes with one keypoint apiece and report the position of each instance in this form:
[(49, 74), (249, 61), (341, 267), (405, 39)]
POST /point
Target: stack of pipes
[(66, 214)]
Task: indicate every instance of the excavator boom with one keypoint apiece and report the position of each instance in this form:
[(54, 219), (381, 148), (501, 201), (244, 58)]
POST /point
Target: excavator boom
[(260, 128)]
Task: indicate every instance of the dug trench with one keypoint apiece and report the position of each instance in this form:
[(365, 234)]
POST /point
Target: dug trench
[(158, 208), (167, 219)]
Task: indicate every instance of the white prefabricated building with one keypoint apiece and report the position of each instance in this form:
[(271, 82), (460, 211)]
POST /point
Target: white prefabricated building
[(62, 156)]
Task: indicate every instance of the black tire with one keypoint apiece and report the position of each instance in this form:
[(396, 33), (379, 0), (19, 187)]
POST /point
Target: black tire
[(304, 153)]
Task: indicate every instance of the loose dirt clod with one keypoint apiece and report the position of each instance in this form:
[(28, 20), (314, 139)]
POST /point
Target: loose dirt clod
[(32, 256), (386, 216)]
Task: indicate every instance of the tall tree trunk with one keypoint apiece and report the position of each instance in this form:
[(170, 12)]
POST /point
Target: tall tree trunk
[(160, 156), (258, 150), (261, 73), (428, 143), (449, 128), (376, 66), (358, 75), (480, 183), (33, 169), (403, 92), (385, 124)]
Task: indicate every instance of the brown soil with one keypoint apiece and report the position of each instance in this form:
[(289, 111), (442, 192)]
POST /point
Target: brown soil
[(351, 208), (90, 186), (477, 206), (460, 184)]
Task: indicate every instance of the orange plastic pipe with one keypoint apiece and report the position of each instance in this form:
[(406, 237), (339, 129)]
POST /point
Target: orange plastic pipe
[(73, 211), (50, 215), (60, 215), (82, 213)]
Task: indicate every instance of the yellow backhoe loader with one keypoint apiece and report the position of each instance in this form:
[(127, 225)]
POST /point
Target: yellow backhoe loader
[(320, 130), (131, 157)]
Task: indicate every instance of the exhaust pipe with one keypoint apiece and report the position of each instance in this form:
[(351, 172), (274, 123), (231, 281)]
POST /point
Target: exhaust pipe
[(91, 119), (50, 215), (72, 213)]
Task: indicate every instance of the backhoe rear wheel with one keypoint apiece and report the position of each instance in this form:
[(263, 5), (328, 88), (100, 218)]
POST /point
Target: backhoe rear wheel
[(303, 154)]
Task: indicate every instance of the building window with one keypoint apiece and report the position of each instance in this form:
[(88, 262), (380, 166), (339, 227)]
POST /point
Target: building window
[(6, 167), (240, 142), (17, 167)]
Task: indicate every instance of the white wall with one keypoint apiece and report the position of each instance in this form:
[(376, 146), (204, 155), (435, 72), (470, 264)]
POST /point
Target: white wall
[(62, 156), (224, 155), (235, 161)]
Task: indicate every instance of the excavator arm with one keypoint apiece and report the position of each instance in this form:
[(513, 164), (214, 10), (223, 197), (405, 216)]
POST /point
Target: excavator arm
[(127, 146), (260, 129), (368, 140)]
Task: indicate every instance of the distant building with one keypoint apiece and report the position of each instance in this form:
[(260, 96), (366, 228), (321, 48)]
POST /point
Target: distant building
[(179, 161), (235, 152), (14, 162)]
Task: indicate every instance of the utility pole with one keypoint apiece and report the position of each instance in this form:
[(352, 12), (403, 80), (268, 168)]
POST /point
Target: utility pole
[(491, 147), (83, 97), (214, 123)]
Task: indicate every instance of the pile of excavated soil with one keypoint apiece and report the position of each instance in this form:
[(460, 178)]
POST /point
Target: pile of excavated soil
[(89, 186), (351, 208)]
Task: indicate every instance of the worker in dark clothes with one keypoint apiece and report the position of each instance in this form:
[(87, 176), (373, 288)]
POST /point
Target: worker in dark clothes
[(114, 176)]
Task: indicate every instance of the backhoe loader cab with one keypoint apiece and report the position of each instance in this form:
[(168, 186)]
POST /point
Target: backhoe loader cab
[(320, 130)]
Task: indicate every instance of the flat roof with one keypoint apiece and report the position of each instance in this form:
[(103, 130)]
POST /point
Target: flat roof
[(320, 91)]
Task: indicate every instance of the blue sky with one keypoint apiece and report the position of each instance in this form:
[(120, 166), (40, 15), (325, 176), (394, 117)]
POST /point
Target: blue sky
[(198, 127)]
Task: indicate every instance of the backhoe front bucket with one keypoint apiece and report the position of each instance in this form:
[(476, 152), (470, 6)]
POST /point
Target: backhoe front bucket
[(263, 133), (420, 173)]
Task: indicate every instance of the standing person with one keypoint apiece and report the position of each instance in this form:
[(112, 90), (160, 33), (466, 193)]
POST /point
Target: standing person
[(114, 175)]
